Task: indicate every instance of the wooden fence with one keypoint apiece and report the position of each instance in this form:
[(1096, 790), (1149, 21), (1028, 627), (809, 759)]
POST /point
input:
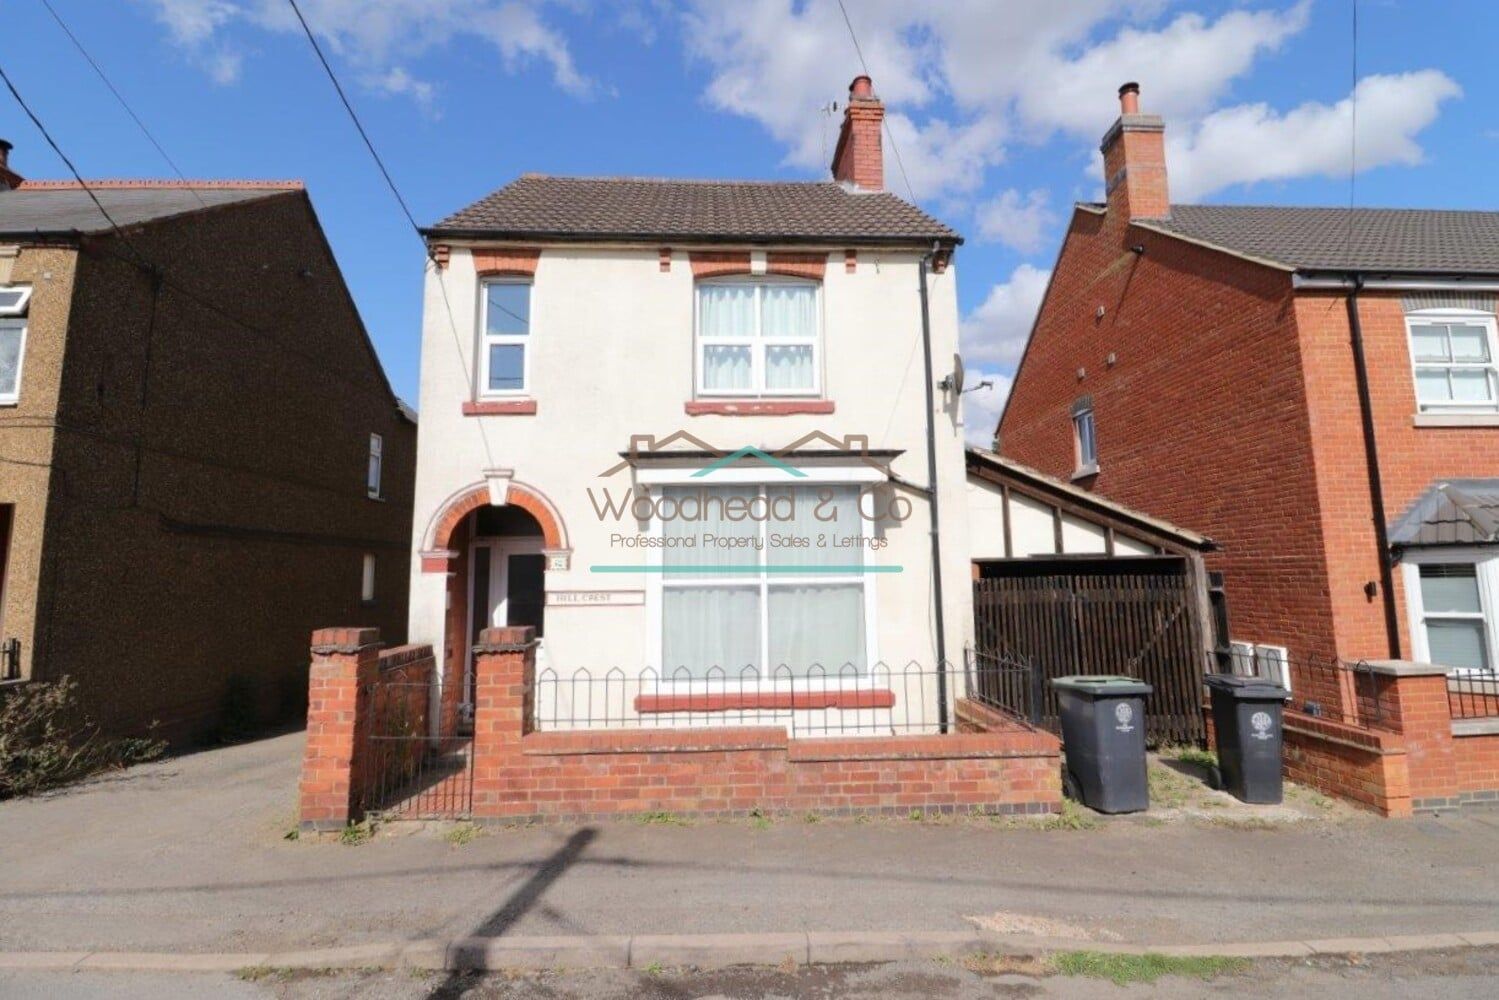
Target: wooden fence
[(1140, 625)]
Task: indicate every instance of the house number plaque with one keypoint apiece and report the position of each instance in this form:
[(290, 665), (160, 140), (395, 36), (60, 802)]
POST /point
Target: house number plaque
[(593, 598)]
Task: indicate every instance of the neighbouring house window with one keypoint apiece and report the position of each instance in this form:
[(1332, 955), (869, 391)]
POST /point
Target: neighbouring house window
[(746, 602), (506, 323), (367, 579), (1452, 616), (1085, 439), (758, 338), (377, 459), (1454, 358), (13, 303)]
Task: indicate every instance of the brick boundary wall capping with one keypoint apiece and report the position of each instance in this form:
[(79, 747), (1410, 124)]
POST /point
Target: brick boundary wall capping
[(991, 764), (1415, 759)]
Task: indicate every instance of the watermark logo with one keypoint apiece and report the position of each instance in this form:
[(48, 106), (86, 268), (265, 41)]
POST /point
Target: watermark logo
[(790, 510)]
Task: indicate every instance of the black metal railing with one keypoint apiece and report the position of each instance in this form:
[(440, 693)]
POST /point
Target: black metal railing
[(846, 701), (1324, 687), (1009, 683), (1473, 694)]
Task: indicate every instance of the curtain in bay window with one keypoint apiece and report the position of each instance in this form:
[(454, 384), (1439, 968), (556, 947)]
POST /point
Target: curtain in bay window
[(710, 613), (816, 624)]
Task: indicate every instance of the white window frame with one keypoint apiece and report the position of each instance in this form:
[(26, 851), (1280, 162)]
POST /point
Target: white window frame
[(759, 346), (521, 340), (14, 316), (1441, 317), (1086, 465), (367, 579), (1486, 565), (655, 585), (374, 474)]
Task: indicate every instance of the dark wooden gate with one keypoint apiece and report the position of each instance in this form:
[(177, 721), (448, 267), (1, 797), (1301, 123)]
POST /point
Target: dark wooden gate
[(1140, 625)]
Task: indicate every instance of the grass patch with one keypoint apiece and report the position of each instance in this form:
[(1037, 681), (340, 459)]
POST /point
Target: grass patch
[(1122, 970), (758, 819), (1168, 789), (1072, 817), (654, 969), (812, 817), (463, 833), (357, 833), (662, 818), (986, 964), (1201, 758)]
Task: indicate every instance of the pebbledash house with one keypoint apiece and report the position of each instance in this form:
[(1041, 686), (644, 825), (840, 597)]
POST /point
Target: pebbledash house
[(676, 545)]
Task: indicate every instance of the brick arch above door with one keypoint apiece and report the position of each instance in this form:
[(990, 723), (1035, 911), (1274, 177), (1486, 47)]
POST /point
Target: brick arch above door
[(437, 553)]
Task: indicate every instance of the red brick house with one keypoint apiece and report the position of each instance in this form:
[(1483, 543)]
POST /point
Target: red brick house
[(1317, 389)]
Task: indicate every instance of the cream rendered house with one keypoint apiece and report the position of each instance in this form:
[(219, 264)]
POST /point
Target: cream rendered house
[(681, 428)]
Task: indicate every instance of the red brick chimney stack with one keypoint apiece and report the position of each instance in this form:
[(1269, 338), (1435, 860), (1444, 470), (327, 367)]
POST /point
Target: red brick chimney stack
[(859, 159), (1134, 161), (8, 177)]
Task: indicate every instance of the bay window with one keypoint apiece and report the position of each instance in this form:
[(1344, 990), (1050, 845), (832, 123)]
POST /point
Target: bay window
[(505, 320), (1453, 355), (758, 338), (774, 594), (13, 303)]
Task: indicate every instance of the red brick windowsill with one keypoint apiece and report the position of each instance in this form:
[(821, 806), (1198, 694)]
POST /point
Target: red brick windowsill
[(499, 407), (756, 407), (729, 701)]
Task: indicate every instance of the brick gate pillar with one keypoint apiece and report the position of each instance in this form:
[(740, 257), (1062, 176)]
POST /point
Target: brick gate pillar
[(1415, 695), (505, 674), (344, 663)]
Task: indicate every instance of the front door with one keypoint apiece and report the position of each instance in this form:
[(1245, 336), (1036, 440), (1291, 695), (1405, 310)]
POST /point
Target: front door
[(508, 589)]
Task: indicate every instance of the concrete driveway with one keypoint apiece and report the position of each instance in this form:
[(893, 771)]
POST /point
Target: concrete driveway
[(190, 854)]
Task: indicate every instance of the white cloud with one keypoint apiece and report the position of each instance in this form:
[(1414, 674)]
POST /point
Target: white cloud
[(994, 334), (962, 83), (981, 407), (1021, 221), (1252, 142), (376, 37)]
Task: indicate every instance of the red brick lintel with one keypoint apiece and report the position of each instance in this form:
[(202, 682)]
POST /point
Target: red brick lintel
[(499, 407), (726, 701), (756, 407)]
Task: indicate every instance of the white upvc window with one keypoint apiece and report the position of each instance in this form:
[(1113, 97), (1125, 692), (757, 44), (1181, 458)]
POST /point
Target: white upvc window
[(1455, 360), (1084, 439), (505, 328), (13, 303), (1453, 596), (759, 337), (744, 603), (376, 466)]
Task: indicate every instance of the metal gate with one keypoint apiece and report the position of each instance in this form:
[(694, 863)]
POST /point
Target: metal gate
[(415, 769), (1142, 625)]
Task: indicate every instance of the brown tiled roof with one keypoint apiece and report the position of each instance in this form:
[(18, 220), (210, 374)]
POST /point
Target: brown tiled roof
[(631, 208), (1456, 512), (1342, 239)]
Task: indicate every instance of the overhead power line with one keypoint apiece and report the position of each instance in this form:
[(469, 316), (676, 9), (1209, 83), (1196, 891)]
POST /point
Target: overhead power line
[(119, 97)]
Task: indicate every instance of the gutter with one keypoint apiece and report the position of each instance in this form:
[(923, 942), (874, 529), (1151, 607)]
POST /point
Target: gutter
[(1371, 459)]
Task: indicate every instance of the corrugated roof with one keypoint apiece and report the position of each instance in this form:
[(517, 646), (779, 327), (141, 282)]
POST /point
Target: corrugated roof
[(595, 208), (1455, 512), (1342, 239), (54, 208)]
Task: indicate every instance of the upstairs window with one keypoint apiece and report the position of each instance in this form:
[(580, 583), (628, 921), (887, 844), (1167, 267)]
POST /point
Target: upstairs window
[(758, 338), (1453, 355), (505, 320), (1085, 438), (13, 302), (367, 579), (377, 460)]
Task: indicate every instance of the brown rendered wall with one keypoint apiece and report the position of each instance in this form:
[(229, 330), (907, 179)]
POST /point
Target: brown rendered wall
[(1201, 419), (214, 513), (26, 435)]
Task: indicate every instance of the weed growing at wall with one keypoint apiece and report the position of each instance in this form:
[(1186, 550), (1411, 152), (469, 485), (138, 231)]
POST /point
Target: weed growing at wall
[(45, 741)]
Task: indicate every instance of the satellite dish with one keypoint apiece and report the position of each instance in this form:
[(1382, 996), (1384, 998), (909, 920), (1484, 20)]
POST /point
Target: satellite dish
[(953, 383)]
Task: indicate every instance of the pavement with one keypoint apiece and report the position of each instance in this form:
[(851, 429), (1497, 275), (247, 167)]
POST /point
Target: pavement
[(190, 855)]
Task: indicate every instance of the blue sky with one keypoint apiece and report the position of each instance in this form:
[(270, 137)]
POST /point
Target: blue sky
[(996, 110)]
